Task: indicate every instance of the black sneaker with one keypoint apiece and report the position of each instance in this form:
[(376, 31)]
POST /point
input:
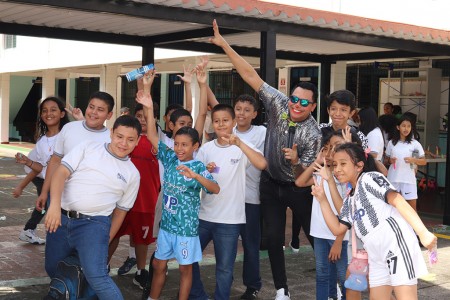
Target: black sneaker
[(141, 279), (250, 293), (128, 264)]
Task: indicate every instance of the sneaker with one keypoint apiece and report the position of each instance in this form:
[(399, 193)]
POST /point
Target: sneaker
[(250, 293), (282, 294), (30, 236), (141, 279), (128, 264), (295, 250)]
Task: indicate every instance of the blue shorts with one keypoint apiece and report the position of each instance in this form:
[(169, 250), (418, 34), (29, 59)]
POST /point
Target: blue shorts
[(186, 250)]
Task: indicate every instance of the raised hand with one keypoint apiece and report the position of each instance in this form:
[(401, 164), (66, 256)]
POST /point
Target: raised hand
[(144, 98), (204, 60), (76, 113), (187, 74), (232, 139), (346, 134), (323, 170), (201, 74), (217, 40), (318, 191)]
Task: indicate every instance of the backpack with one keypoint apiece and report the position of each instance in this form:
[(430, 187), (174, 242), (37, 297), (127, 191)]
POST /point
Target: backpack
[(69, 282)]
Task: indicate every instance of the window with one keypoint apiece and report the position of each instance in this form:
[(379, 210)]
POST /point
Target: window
[(9, 41)]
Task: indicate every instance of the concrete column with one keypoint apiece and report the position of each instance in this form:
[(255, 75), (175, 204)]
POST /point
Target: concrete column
[(4, 107), (284, 81), (338, 76), (109, 84), (48, 83)]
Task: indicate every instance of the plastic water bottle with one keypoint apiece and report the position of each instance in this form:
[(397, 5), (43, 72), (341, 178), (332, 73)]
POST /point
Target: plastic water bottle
[(139, 73), (415, 154)]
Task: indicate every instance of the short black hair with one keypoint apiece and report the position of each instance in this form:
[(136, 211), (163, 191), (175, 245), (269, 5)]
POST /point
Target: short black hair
[(223, 107), (128, 121), (343, 97), (178, 113), (247, 98), (189, 131), (105, 97), (307, 86), (173, 106)]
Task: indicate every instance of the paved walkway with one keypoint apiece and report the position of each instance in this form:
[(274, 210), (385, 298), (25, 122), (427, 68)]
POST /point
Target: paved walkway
[(22, 274)]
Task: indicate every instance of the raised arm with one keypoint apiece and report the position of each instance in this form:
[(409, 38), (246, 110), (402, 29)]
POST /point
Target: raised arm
[(203, 106), (152, 133), (187, 79), (244, 69), (256, 158)]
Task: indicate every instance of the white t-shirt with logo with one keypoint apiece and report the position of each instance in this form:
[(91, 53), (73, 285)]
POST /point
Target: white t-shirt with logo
[(228, 206), (256, 135), (99, 181), (403, 173)]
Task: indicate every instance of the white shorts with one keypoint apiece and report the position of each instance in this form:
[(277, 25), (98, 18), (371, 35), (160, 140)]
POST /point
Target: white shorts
[(186, 250), (407, 190), (396, 258)]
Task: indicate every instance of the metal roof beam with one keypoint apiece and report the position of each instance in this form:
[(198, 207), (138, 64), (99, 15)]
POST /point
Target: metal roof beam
[(189, 34), (372, 55)]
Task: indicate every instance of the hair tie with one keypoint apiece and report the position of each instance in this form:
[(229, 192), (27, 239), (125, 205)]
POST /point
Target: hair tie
[(367, 151)]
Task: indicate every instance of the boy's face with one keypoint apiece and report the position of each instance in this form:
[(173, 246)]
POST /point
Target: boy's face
[(297, 112), (339, 114), (388, 109), (123, 140), (245, 113), (223, 123), (181, 122), (140, 116), (167, 119), (183, 147), (97, 113)]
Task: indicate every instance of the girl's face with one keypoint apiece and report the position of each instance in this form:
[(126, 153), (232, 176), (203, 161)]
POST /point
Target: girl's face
[(405, 129), (140, 116), (51, 115), (184, 148), (345, 170)]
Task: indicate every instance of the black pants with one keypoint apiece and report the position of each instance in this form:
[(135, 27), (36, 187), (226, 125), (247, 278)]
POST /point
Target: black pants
[(275, 199), (36, 216)]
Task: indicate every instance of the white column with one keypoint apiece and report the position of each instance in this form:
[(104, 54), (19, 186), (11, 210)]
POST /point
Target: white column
[(48, 83), (338, 76), (283, 81), (109, 84), (164, 100), (4, 107)]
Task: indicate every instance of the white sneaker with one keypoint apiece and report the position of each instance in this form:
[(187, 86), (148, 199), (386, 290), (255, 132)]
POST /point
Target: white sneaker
[(295, 250), (30, 236), (281, 295)]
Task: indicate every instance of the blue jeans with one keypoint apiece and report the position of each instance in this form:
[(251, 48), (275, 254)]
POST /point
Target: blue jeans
[(225, 239), (90, 239), (328, 273), (251, 239)]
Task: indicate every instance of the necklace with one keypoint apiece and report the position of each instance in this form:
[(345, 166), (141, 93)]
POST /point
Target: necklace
[(50, 145)]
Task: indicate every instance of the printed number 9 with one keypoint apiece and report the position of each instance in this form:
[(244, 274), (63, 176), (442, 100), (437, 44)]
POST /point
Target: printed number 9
[(185, 253)]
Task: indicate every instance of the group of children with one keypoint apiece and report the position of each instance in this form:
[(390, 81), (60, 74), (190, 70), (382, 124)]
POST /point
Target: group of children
[(97, 180)]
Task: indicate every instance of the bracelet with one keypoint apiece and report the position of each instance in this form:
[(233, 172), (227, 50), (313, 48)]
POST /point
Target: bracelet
[(31, 164)]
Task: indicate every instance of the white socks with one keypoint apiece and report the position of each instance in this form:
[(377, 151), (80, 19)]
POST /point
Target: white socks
[(131, 252)]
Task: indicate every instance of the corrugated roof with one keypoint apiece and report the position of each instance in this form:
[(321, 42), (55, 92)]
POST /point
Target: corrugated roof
[(311, 17)]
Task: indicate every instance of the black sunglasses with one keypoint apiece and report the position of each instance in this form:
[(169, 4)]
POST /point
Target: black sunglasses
[(303, 102)]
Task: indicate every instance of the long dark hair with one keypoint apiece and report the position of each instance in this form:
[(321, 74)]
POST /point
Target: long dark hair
[(369, 120), (41, 127), (357, 154), (409, 137)]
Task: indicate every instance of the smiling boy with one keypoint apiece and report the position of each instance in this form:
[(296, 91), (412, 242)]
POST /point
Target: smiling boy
[(91, 191)]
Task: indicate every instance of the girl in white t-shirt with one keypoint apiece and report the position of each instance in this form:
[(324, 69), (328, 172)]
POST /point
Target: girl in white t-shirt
[(404, 153), (382, 220), (52, 117), (371, 128)]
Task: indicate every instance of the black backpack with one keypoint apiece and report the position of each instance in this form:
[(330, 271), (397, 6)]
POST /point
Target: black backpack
[(69, 282)]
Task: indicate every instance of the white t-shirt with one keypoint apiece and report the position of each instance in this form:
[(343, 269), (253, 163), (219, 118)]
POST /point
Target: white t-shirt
[(403, 173), (99, 180), (376, 142), (319, 228), (368, 207), (256, 135), (228, 206), (41, 153), (74, 133)]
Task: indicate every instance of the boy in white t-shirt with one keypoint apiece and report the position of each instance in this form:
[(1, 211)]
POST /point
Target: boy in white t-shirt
[(222, 215), (92, 128), (91, 192), (246, 109)]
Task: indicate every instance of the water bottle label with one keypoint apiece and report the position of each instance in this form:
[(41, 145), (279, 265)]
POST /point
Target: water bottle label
[(139, 73)]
